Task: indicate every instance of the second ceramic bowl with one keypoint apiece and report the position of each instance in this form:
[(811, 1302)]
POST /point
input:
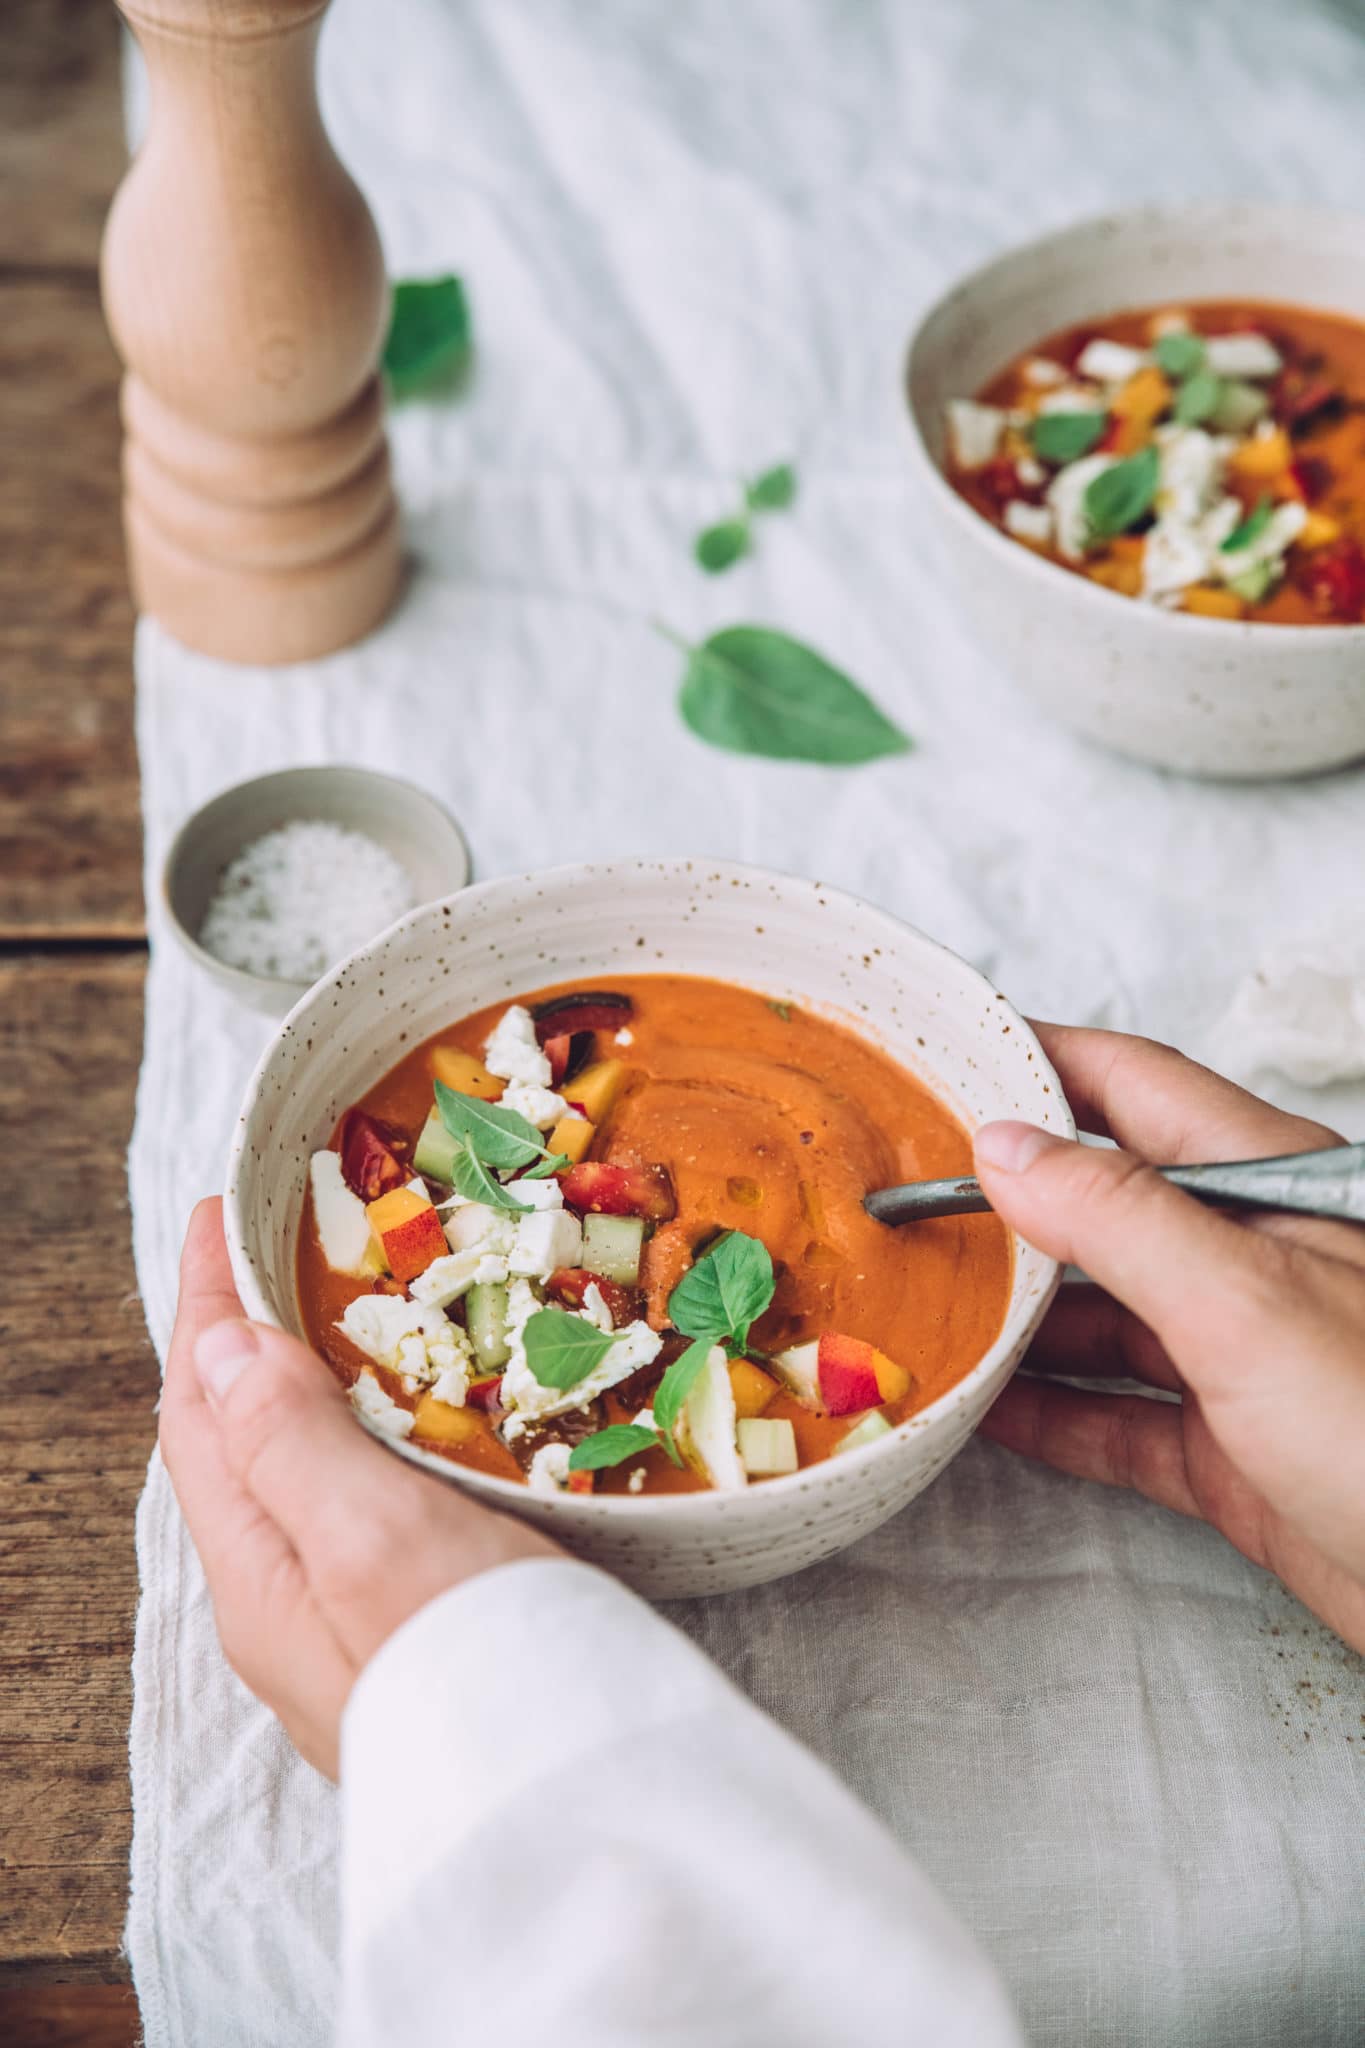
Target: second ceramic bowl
[(1208, 696), (790, 939)]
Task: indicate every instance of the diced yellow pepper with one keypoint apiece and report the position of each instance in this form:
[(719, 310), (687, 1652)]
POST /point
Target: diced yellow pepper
[(462, 1072), (595, 1090), (1263, 457), (1138, 405), (1116, 573), (1319, 530), (572, 1135), (439, 1423), (752, 1388), (1211, 603)]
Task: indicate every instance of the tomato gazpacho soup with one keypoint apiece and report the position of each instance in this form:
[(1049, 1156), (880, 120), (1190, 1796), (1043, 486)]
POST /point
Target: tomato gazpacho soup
[(614, 1239), (1206, 458)]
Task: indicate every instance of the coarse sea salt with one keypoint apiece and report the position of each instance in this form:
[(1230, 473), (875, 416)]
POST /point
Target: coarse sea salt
[(299, 898)]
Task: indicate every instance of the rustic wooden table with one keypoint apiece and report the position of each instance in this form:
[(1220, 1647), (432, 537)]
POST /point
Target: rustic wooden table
[(77, 1373)]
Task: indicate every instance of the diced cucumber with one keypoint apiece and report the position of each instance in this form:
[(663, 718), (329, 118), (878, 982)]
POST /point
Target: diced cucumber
[(612, 1245), (1253, 583), (436, 1149), (872, 1426), (1239, 406), (486, 1323), (767, 1446)]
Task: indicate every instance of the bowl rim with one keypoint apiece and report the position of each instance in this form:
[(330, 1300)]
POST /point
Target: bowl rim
[(1182, 213), (241, 978), (589, 1507)]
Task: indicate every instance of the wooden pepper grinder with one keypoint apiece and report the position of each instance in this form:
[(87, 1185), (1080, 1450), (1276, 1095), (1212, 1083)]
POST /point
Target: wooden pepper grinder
[(245, 289)]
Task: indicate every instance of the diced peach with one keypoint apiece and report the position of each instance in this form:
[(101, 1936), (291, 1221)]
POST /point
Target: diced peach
[(580, 1482), (572, 1135), (752, 1388), (439, 1423), (462, 1072), (409, 1229), (1319, 530), (893, 1381), (848, 1374), (595, 1090), (1138, 405), (1123, 576), (1263, 457), (1207, 602)]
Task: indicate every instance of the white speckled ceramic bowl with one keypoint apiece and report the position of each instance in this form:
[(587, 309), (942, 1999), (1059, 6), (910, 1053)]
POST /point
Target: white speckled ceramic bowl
[(790, 939), (1213, 697)]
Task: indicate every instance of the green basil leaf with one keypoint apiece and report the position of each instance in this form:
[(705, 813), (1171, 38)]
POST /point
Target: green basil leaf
[(562, 1349), (1180, 355), (773, 491), (611, 1446), (470, 1177), (1251, 528), (498, 1136), (429, 335), (552, 1163), (726, 1291), (755, 691), (676, 1384), (1065, 436), (1198, 398), (1122, 494), (720, 546)]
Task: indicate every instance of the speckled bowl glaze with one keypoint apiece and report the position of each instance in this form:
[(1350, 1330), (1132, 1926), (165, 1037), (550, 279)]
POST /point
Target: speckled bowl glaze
[(1214, 697), (790, 939)]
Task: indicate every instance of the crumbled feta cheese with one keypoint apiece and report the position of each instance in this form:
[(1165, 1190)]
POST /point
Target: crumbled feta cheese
[(540, 1106), (512, 1051), (1073, 398), (1179, 552), (973, 431), (343, 1227), (636, 1481), (369, 1399), (544, 1241), (474, 1223), (1191, 469), (707, 1425), (594, 1309), (1066, 496), (445, 1280), (625, 1036), (1041, 371), (529, 1401), (1110, 362), (644, 1420), (549, 1471), (538, 1194), (407, 1336), (1028, 522), (1030, 471), (1283, 527), (1242, 355), (451, 1386)]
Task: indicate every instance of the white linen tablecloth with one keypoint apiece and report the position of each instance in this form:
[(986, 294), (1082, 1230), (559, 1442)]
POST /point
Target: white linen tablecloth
[(695, 240)]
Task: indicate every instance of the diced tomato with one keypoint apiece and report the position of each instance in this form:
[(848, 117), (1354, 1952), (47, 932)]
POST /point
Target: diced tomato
[(1334, 579), (582, 1010), (485, 1393), (568, 1053), (581, 1482), (372, 1155), (999, 482), (600, 1189), (1111, 437), (570, 1285), (1313, 477)]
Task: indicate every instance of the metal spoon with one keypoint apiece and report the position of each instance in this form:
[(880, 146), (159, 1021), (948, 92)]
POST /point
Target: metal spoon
[(1310, 1183)]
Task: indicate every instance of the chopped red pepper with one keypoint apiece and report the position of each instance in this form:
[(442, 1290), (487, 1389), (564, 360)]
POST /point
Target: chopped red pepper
[(580, 1482), (1313, 477), (568, 1053), (570, 1285), (1334, 579), (484, 1394), (998, 481), (600, 1189), (371, 1155)]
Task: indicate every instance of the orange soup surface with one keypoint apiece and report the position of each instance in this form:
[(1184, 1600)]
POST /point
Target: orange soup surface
[(688, 1113), (1206, 458)]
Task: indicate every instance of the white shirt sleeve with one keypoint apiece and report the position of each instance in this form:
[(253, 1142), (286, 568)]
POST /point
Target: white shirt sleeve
[(562, 1825)]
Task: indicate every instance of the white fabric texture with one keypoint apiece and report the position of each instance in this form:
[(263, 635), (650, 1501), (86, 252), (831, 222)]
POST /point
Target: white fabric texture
[(660, 1862), (695, 240)]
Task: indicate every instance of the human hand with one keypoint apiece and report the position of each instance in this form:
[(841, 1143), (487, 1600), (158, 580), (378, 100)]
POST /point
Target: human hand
[(1258, 1324), (316, 1542)]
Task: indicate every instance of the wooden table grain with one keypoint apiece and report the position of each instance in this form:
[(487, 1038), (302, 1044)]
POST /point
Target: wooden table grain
[(77, 1374)]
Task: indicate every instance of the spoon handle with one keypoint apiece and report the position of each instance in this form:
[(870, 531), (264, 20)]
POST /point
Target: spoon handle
[(1328, 1183)]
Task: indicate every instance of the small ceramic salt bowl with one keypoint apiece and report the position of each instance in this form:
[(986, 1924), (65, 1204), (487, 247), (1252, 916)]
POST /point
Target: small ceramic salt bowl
[(1214, 697), (792, 940), (407, 823)]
